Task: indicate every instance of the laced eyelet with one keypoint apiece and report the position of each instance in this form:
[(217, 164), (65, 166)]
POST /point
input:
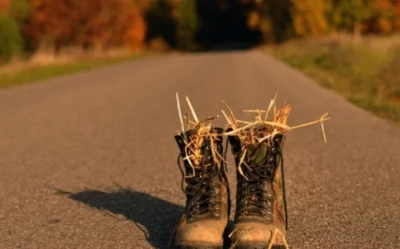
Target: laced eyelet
[(277, 139), (258, 181)]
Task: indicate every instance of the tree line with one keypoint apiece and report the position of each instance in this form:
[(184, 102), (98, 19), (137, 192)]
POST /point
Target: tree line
[(29, 25)]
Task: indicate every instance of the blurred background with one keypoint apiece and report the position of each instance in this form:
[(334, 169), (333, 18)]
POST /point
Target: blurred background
[(349, 45)]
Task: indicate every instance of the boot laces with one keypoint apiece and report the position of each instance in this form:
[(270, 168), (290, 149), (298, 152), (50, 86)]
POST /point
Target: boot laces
[(203, 188), (257, 194)]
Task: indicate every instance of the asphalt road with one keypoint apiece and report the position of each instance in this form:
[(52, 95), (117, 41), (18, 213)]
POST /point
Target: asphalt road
[(89, 160)]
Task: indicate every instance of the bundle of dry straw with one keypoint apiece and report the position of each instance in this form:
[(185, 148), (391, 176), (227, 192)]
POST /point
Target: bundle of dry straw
[(262, 129), (200, 130)]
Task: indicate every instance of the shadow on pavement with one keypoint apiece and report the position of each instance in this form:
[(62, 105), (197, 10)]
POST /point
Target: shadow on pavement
[(154, 216)]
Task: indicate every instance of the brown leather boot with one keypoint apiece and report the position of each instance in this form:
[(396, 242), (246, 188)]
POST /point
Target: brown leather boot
[(261, 216), (207, 208)]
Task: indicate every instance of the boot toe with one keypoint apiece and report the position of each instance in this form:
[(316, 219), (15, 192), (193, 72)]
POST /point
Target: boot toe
[(199, 236), (257, 236)]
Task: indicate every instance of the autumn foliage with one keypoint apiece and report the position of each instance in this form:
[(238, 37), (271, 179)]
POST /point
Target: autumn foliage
[(309, 17), (397, 15), (91, 24), (183, 24), (4, 4)]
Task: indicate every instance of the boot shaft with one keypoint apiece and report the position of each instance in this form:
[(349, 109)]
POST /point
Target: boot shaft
[(209, 159), (260, 189), (207, 206), (207, 188)]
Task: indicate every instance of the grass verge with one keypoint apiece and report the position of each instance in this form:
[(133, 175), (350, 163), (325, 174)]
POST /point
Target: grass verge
[(367, 74), (42, 72)]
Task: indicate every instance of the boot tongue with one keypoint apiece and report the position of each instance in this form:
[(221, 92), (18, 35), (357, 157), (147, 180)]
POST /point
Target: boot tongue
[(257, 152), (260, 169)]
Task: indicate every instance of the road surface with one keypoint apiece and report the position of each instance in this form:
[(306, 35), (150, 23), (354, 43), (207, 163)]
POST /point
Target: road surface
[(89, 160)]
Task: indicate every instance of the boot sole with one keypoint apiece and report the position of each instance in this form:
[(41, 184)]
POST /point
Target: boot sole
[(258, 246), (197, 247)]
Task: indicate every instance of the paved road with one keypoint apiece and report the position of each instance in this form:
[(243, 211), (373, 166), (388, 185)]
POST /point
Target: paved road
[(89, 161)]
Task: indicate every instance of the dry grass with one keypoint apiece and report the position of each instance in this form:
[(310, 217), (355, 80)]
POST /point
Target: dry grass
[(48, 58), (366, 73), (202, 130), (249, 132), (263, 129), (44, 66)]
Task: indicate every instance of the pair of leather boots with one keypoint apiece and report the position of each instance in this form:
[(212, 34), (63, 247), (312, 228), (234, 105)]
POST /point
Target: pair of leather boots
[(260, 219)]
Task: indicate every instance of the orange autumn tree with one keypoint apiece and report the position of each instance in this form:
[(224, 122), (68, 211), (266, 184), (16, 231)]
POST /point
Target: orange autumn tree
[(104, 24), (381, 20), (4, 4), (385, 9), (88, 24), (396, 15), (126, 24), (50, 24), (309, 17), (135, 33)]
